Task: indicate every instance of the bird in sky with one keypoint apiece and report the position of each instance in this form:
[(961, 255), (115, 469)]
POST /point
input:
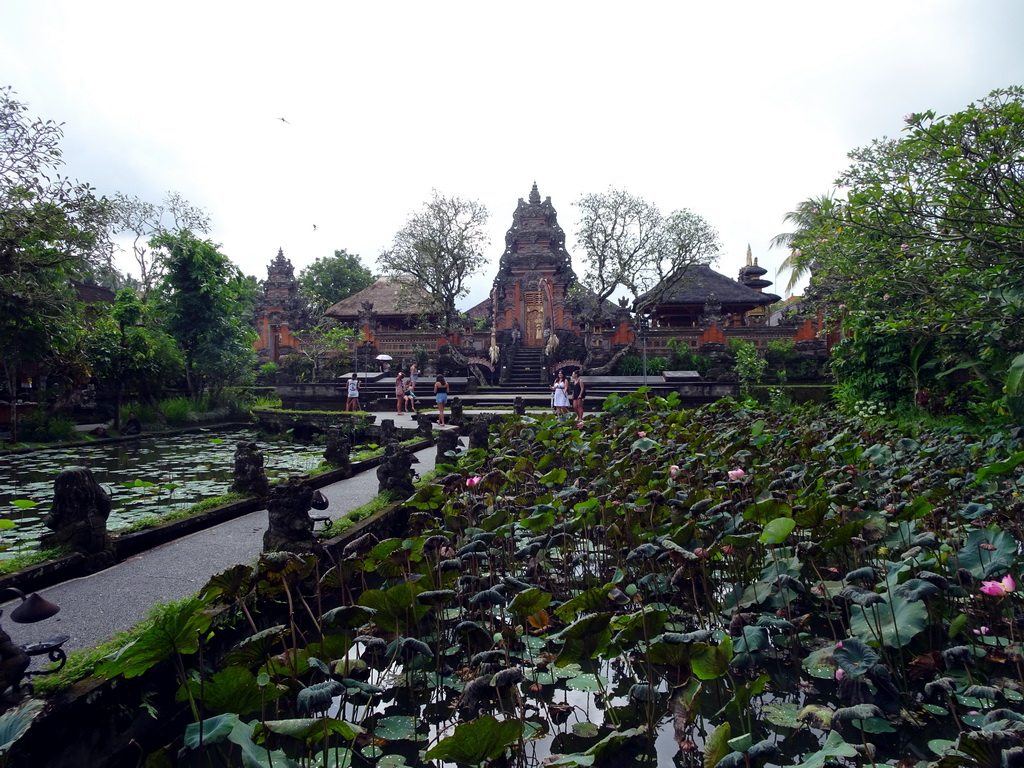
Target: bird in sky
[(314, 227), (283, 120)]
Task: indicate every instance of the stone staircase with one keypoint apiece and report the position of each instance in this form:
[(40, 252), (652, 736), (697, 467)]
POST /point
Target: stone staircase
[(528, 370)]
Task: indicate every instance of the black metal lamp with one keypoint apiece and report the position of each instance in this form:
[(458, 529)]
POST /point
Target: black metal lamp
[(33, 607)]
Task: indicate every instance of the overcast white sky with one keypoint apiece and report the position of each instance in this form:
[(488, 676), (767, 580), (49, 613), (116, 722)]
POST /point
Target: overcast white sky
[(735, 110)]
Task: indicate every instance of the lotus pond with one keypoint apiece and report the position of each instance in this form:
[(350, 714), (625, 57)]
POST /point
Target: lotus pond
[(726, 586), (150, 476)]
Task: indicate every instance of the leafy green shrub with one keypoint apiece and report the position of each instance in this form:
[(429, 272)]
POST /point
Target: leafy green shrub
[(750, 366), (178, 411), (147, 414), (783, 349), (685, 359), (633, 365), (41, 427)]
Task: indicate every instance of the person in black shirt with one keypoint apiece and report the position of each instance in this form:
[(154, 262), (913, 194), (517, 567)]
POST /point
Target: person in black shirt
[(133, 426), (576, 390)]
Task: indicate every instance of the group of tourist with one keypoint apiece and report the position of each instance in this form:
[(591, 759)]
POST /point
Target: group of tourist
[(405, 393), (568, 393)]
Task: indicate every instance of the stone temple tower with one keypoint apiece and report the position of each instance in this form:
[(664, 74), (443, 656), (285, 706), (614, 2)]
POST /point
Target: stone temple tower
[(534, 275)]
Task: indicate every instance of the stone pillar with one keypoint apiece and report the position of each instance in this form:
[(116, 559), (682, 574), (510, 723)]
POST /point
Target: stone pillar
[(395, 472), (338, 451), (78, 518), (456, 410), (388, 432), (447, 440), (479, 432), (250, 479), (519, 405), (291, 528), (423, 425)]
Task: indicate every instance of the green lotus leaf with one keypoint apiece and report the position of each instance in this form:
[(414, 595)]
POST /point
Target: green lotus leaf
[(396, 727), (777, 530), (485, 738), (782, 713), (893, 623), (833, 747), (313, 729), (717, 745), (855, 657)]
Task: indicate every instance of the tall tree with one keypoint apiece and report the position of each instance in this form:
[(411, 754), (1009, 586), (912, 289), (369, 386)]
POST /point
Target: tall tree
[(330, 279), (931, 236), (441, 247), (129, 355), (808, 216), (630, 247), (51, 230), (144, 221), (204, 302)]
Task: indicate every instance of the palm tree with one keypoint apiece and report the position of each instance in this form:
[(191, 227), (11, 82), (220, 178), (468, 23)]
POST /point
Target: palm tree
[(808, 216)]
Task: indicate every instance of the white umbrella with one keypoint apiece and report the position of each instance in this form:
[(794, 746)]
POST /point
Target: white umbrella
[(385, 357)]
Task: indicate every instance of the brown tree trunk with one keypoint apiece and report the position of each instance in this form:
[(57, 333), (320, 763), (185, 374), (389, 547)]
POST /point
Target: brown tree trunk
[(605, 369)]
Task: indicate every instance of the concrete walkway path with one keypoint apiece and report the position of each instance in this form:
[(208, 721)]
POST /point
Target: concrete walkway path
[(96, 607)]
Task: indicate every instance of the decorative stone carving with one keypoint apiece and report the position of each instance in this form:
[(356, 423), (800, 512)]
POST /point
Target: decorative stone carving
[(78, 517), (395, 473), (712, 312), (250, 478), (338, 451), (366, 313), (519, 406), (388, 432), (291, 528), (456, 410), (447, 440), (479, 432), (13, 662), (423, 424)]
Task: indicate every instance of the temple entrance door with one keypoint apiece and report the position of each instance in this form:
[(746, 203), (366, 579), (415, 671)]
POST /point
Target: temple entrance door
[(533, 328)]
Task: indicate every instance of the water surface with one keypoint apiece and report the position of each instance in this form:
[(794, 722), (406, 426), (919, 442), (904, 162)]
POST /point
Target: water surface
[(183, 469)]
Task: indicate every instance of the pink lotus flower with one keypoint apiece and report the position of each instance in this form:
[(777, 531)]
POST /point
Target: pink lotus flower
[(981, 631), (840, 674), (999, 588), (839, 644), (641, 434), (579, 423), (471, 481), (886, 297), (673, 470), (736, 474)]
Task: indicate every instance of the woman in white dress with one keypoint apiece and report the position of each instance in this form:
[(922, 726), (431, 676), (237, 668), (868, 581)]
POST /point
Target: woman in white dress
[(560, 399)]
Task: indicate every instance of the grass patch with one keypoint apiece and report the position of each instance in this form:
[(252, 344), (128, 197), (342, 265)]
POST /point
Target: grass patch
[(151, 521), (266, 403), (83, 663), (379, 502), (28, 559)]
